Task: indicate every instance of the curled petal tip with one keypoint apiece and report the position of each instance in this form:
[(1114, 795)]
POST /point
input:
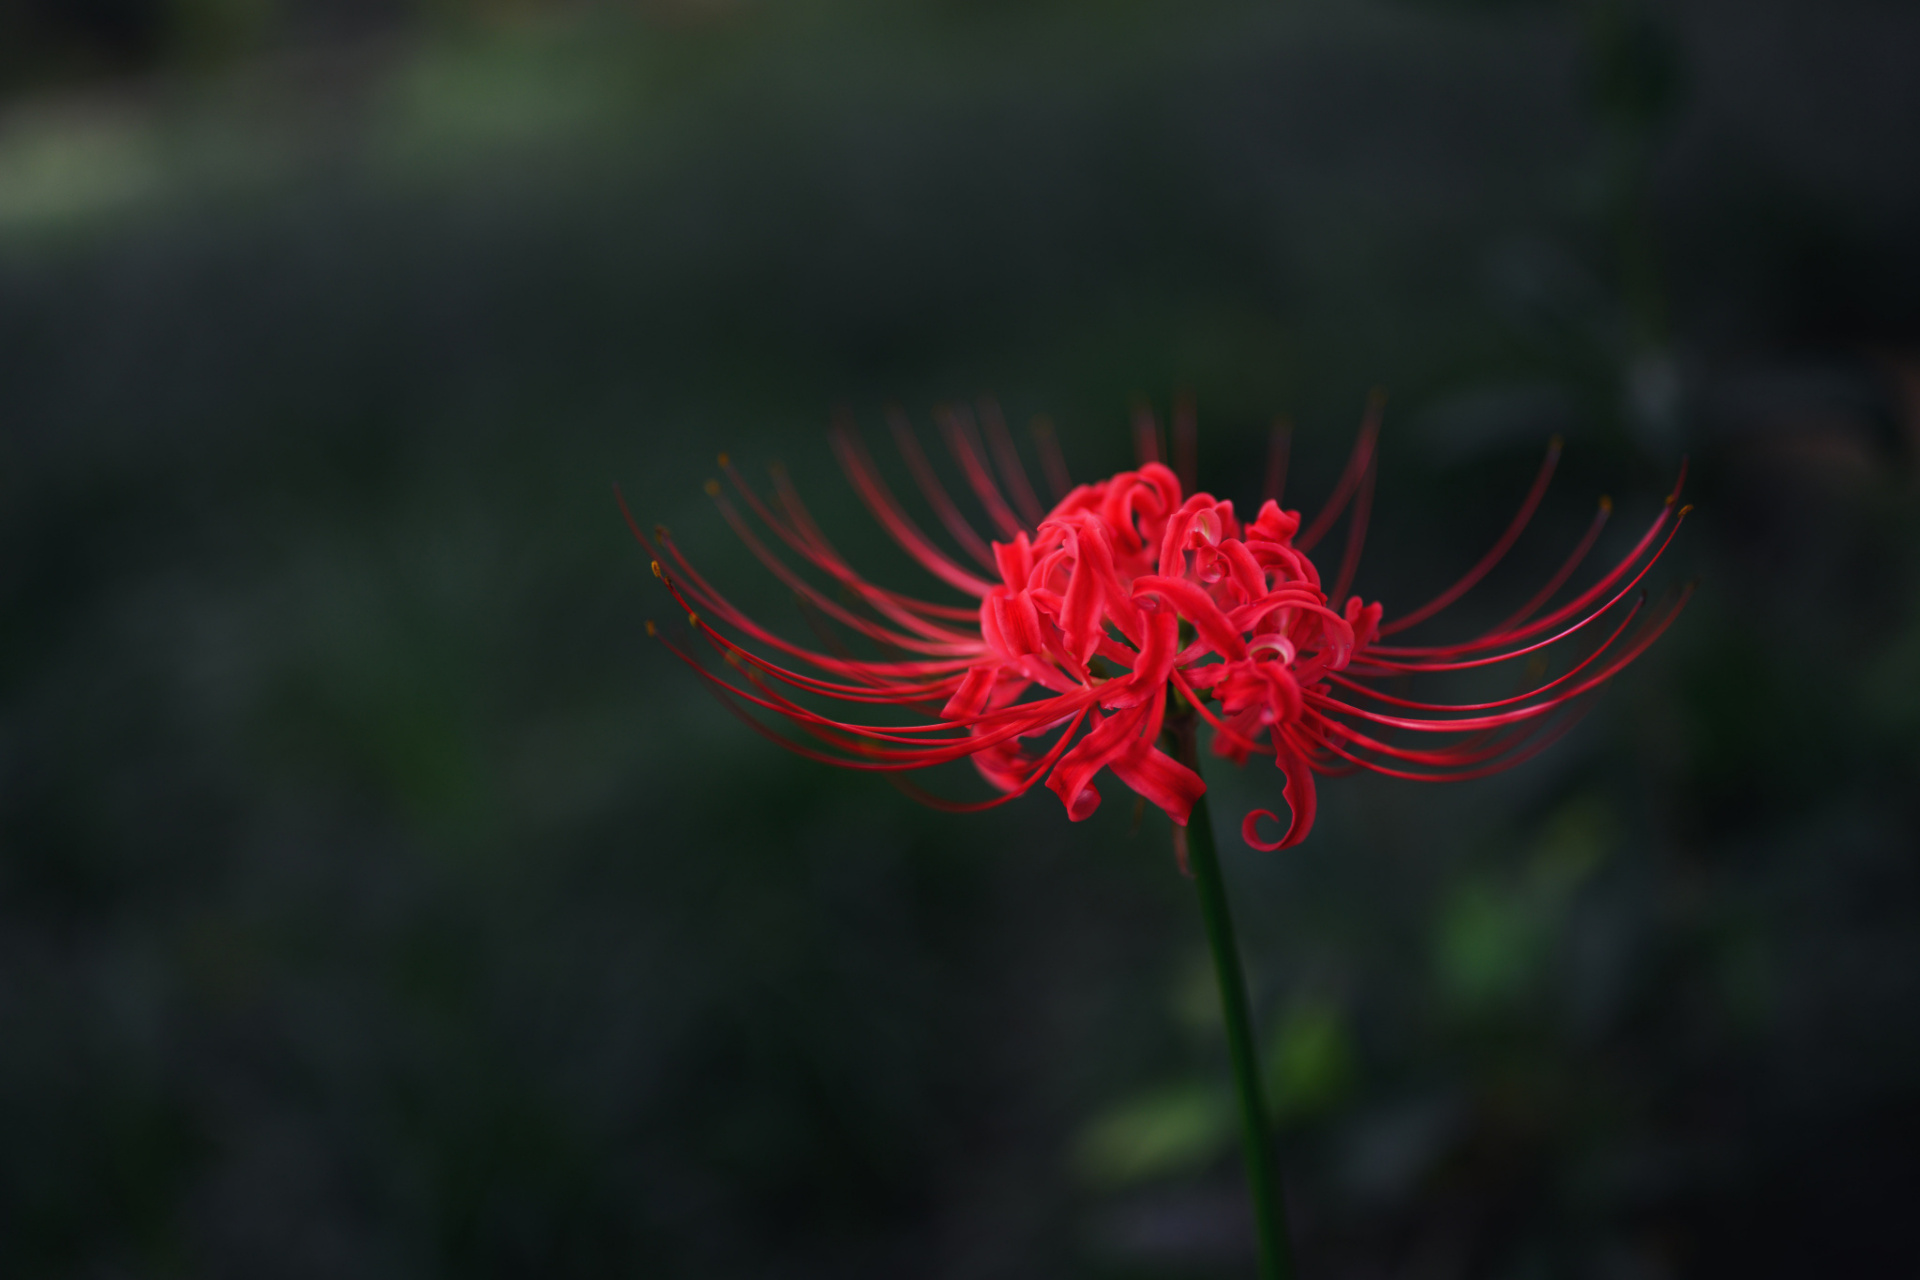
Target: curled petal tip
[(713, 488), (1249, 831)]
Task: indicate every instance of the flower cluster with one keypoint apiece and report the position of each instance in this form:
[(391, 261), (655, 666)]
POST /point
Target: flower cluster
[(1088, 619)]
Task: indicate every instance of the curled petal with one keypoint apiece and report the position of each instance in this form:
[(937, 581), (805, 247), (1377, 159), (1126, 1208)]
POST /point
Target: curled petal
[(1080, 612), (971, 697), (1152, 667), (1010, 624), (1364, 620), (1163, 780), (1273, 524), (1300, 796), (1249, 579), (1197, 607), (1014, 560), (1072, 778)]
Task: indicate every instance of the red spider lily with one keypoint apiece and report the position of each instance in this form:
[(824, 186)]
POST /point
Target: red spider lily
[(1088, 616)]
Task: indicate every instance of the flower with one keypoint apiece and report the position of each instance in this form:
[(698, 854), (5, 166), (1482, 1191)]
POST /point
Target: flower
[(1085, 620)]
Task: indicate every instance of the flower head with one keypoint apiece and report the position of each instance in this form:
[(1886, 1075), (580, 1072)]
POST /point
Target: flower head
[(1083, 622)]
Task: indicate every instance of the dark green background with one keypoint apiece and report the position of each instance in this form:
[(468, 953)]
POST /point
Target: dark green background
[(376, 901)]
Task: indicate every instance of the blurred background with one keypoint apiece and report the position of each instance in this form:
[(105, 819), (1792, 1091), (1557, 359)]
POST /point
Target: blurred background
[(376, 900)]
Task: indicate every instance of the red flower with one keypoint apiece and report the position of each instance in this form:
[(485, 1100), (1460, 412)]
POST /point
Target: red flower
[(1089, 614)]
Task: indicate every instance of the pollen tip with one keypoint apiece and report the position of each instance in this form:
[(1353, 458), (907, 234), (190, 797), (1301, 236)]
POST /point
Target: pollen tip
[(693, 620), (651, 629), (1556, 443), (713, 488), (661, 532), (724, 460), (1606, 502), (1686, 508), (656, 571)]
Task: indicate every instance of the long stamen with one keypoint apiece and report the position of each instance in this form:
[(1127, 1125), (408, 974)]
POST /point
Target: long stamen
[(1570, 609), (800, 533), (880, 501), (957, 425), (1356, 533), (1494, 556), (1146, 435), (736, 654), (874, 688), (1007, 459), (995, 727), (1565, 571), (1525, 751), (1475, 750), (935, 493), (1523, 713), (1279, 443), (1350, 478), (1215, 722), (1346, 683), (1186, 444), (929, 638), (1037, 774), (704, 595), (1053, 463)]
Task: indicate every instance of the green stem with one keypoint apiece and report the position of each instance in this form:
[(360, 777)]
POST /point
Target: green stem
[(1263, 1179)]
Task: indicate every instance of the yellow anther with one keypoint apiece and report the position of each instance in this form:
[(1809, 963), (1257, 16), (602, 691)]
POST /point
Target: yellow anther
[(1606, 503), (651, 629), (725, 461), (693, 619), (713, 488), (657, 573), (1686, 508), (660, 532)]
